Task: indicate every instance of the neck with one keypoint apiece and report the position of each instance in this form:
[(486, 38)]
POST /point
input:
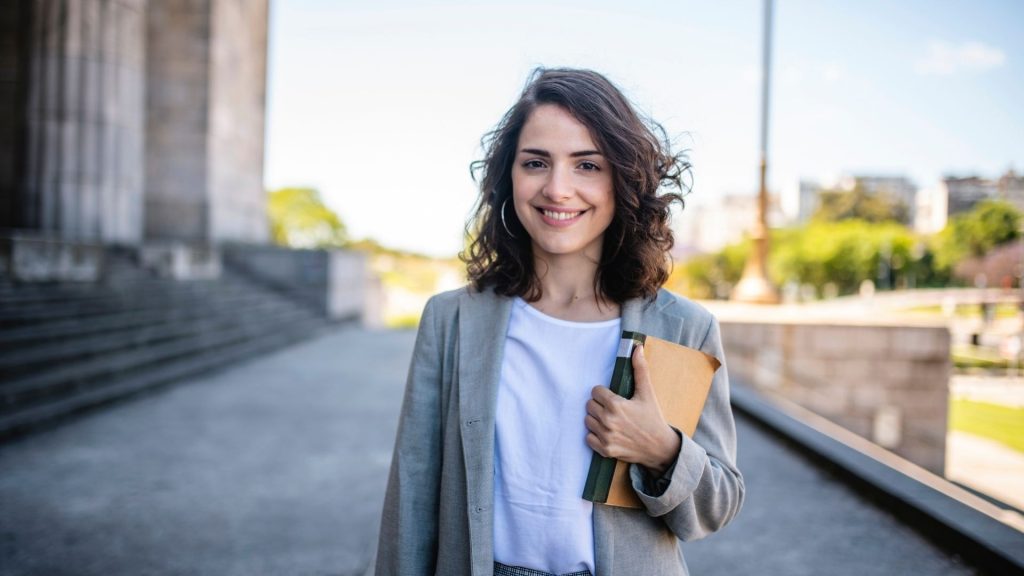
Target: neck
[(566, 282), (568, 287)]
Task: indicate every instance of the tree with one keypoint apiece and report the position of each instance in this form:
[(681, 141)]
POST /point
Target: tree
[(842, 254), (973, 234), (836, 205), (300, 219)]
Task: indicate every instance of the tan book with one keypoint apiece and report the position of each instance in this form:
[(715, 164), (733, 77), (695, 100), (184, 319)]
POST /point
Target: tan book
[(682, 379)]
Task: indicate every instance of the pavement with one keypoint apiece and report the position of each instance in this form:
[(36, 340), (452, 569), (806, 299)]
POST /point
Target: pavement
[(986, 466), (278, 466)]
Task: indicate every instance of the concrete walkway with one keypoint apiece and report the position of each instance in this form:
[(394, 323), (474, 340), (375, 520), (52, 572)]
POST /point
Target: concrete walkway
[(987, 466), (278, 466)]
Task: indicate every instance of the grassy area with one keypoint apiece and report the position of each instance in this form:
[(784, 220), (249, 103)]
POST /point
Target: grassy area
[(1000, 423), (1004, 310), (965, 356)]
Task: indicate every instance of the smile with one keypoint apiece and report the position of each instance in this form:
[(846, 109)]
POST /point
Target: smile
[(561, 215), (560, 219)]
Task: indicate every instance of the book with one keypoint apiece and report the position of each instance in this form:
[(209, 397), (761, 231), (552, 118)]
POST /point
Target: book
[(681, 377)]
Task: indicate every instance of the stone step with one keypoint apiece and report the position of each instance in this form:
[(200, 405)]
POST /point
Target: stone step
[(16, 360), (104, 302), (161, 304), (55, 410), (73, 377), (71, 328)]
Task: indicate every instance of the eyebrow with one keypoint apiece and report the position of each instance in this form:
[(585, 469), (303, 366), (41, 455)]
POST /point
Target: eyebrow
[(547, 154)]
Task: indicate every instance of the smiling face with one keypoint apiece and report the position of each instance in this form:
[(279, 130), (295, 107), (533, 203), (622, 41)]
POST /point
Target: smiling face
[(562, 186)]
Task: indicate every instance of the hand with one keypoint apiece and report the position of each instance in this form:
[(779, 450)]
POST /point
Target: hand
[(632, 430)]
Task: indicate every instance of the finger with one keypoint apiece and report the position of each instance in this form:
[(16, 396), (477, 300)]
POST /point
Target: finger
[(595, 444), (641, 375), (603, 396), (595, 409), (595, 425)]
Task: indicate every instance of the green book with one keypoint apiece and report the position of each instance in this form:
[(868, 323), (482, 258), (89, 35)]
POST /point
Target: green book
[(599, 479)]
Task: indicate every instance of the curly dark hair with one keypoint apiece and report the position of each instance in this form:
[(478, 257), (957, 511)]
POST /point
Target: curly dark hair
[(634, 259)]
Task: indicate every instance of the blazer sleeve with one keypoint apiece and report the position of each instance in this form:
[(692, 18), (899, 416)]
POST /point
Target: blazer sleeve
[(408, 535), (703, 491)]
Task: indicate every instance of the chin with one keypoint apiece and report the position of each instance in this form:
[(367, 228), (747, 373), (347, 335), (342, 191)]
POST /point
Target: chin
[(565, 249)]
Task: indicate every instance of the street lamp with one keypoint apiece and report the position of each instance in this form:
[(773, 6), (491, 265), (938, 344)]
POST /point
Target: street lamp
[(755, 286)]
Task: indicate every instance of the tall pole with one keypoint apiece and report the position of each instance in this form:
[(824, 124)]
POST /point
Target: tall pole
[(755, 286)]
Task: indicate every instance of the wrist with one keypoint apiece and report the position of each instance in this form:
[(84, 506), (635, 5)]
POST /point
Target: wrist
[(666, 453)]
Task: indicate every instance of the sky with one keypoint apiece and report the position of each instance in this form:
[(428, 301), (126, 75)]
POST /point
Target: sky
[(381, 105)]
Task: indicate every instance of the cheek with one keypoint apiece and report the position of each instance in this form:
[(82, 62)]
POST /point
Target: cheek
[(519, 184)]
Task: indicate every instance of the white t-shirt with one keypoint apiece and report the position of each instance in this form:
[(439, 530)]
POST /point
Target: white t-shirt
[(541, 458)]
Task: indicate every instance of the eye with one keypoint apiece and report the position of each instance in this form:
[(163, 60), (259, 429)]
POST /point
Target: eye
[(588, 165), (533, 164)]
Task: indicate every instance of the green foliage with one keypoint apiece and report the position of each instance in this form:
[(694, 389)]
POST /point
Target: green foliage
[(710, 275), (300, 219), (974, 233), (835, 249), (858, 204), (844, 253)]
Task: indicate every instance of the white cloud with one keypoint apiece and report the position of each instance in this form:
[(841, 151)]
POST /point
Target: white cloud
[(944, 59)]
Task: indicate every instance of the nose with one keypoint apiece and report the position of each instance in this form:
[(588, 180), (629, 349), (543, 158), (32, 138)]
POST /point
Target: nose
[(559, 185)]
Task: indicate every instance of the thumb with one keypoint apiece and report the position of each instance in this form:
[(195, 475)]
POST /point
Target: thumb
[(643, 388)]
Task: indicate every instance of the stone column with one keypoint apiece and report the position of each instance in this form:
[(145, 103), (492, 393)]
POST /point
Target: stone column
[(81, 174), (238, 81), (206, 82)]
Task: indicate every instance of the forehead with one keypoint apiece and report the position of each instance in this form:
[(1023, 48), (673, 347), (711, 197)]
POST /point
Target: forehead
[(554, 128)]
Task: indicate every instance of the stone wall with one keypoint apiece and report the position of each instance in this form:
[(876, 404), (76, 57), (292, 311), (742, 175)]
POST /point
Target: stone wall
[(889, 384), (335, 283)]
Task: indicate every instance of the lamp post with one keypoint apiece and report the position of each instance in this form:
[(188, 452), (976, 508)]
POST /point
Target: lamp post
[(755, 286)]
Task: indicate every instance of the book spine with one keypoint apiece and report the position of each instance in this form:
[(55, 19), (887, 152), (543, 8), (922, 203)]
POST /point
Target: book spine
[(599, 478)]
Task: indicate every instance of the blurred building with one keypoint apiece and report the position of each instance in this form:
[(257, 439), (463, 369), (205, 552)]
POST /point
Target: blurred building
[(898, 188), (724, 220), (133, 122), (807, 200), (1010, 187), (955, 195), (962, 194), (932, 210)]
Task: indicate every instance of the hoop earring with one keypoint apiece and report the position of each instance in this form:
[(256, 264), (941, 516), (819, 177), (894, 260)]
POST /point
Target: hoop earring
[(503, 219)]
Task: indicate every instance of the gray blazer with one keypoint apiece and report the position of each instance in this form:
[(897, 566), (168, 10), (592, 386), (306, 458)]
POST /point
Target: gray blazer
[(438, 508)]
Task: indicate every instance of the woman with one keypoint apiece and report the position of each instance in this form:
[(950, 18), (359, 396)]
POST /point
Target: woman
[(507, 396)]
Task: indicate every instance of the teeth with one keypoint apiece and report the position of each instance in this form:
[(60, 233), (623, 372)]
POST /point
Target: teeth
[(561, 215)]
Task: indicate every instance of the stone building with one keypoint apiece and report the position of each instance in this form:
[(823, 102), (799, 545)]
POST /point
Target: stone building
[(134, 245), (132, 123)]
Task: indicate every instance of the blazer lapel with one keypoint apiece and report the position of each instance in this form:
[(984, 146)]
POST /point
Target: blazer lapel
[(483, 323)]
